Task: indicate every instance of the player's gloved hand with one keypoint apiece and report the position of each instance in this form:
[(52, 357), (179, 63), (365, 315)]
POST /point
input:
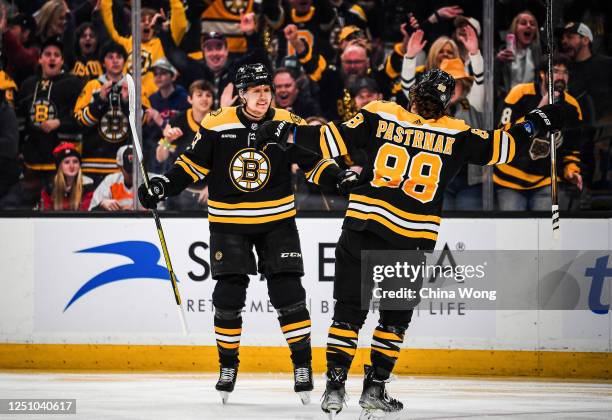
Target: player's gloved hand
[(273, 132), (157, 192), (546, 118), (345, 181)]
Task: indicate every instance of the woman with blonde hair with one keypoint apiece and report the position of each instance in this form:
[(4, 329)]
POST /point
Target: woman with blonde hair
[(52, 19), (516, 63), (445, 48), (70, 190)]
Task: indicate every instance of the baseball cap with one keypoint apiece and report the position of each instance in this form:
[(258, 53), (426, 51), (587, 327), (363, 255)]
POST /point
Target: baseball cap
[(364, 83), (463, 20), (164, 64), (55, 41), (125, 157), (580, 29), (23, 20), (213, 36), (350, 31)]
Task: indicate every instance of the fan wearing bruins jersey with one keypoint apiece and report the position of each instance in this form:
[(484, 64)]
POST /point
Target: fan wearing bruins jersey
[(102, 107), (250, 204), (524, 184), (45, 103), (223, 16), (395, 206), (314, 21), (151, 47)]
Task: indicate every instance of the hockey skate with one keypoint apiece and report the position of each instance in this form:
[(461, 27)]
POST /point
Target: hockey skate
[(226, 382), (302, 376), (375, 402), (335, 395)]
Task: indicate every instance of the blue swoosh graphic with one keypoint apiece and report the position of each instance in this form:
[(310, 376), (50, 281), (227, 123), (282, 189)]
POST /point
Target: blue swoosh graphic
[(144, 256)]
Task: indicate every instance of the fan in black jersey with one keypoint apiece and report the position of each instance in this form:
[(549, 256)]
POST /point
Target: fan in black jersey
[(396, 205), (251, 204)]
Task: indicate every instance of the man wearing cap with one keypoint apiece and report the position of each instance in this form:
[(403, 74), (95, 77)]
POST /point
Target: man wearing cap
[(45, 101), (216, 66), (102, 107), (170, 98), (21, 60), (590, 72), (116, 191)]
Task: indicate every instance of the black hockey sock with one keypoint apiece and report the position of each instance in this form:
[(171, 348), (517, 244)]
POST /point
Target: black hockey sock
[(341, 344), (228, 329), (295, 325), (385, 349)]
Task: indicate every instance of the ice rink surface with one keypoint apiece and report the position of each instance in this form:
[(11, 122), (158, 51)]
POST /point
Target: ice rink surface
[(261, 396)]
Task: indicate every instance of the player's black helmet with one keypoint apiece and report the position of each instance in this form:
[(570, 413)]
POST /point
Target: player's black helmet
[(252, 75), (437, 85)]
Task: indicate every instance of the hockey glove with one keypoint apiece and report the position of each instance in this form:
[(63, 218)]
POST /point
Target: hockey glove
[(157, 192), (346, 181), (546, 119), (273, 132)]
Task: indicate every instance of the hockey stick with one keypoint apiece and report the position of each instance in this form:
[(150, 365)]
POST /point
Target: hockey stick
[(145, 176), (553, 150)]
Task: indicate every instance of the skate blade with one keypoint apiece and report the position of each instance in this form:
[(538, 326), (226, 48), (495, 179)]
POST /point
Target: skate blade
[(378, 414), (305, 397), (224, 396), (332, 414)]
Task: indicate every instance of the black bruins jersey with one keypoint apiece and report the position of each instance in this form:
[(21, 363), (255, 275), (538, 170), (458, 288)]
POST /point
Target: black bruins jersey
[(249, 190), (531, 170), (412, 160), (87, 68)]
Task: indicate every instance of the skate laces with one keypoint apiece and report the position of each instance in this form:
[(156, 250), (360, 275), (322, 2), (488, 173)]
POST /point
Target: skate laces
[(302, 374), (227, 374)]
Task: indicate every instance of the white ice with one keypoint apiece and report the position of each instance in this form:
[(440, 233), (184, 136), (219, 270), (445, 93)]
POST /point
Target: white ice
[(270, 396)]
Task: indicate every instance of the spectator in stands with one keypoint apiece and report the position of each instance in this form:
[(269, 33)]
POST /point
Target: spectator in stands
[(314, 23), (524, 184), (151, 46), (352, 35), (170, 98), (86, 61), (516, 63), (591, 73), (216, 66), (178, 135), (116, 191), (224, 17), (52, 20), (9, 145), (365, 90), (336, 100), (442, 49), (70, 189), (287, 95), (349, 13), (45, 101), (461, 32), (21, 60), (465, 191), (102, 108)]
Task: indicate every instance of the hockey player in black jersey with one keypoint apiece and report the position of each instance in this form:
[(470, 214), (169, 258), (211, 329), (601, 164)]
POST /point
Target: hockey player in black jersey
[(250, 204), (396, 205)]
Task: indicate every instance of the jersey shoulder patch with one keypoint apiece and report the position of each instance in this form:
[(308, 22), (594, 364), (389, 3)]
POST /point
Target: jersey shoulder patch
[(222, 119), (519, 91), (284, 115)]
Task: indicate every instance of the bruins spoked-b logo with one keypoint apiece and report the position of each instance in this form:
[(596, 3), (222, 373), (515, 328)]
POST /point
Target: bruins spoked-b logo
[(236, 6), (249, 170), (114, 126), (41, 111)]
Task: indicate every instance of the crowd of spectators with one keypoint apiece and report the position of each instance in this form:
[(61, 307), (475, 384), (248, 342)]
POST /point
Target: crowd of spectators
[(64, 131)]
